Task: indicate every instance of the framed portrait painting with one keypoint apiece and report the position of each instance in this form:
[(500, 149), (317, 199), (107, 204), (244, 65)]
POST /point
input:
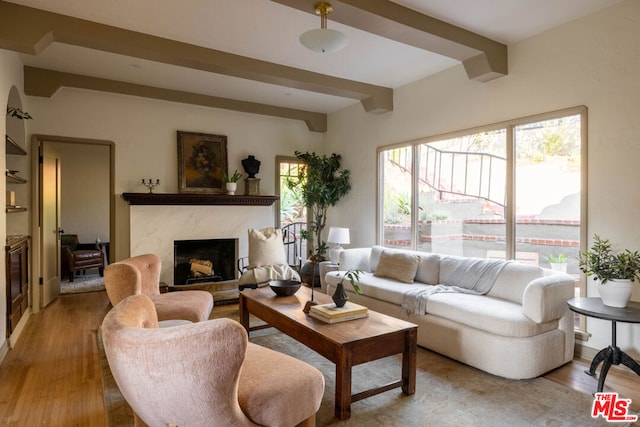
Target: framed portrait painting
[(201, 160)]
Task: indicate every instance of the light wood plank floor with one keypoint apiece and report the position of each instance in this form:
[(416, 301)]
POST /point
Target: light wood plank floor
[(52, 376)]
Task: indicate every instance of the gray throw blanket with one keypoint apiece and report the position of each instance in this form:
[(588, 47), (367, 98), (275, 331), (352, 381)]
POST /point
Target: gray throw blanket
[(473, 276)]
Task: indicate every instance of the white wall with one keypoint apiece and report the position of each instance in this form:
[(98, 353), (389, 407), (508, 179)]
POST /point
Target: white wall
[(593, 61), (84, 199)]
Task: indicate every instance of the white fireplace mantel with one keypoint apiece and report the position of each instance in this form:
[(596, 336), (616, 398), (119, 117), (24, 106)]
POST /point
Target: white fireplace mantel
[(153, 228)]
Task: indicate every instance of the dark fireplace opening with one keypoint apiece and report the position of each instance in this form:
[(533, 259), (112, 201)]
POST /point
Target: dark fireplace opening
[(204, 260)]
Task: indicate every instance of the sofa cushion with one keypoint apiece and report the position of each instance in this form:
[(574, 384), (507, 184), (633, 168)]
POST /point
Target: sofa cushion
[(428, 270), (492, 315), (376, 251), (513, 279), (477, 274), (379, 288), (355, 259), (398, 266)]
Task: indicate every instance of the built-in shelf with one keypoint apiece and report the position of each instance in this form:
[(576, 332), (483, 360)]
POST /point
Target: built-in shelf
[(197, 199), (13, 209), (12, 147), (15, 179)]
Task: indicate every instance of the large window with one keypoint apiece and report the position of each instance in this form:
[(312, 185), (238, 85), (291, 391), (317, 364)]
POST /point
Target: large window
[(513, 190)]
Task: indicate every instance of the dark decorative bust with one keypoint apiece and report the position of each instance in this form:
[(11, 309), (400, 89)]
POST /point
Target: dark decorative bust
[(251, 166)]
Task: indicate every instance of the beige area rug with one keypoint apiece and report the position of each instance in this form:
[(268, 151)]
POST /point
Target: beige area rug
[(82, 283), (448, 393)]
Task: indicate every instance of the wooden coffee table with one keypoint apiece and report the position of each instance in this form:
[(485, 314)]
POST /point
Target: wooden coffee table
[(346, 344)]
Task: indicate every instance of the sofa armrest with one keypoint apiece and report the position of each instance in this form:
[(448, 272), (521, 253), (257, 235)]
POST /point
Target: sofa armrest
[(355, 259), (545, 298)]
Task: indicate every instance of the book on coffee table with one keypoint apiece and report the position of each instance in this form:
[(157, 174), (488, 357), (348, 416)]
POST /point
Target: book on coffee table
[(329, 313), (324, 319)]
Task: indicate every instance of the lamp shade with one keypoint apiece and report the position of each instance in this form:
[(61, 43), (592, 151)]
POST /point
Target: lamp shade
[(323, 40), (339, 235)]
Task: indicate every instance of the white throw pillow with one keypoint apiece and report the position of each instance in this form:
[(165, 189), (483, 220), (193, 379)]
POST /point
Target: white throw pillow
[(266, 247), (398, 266)]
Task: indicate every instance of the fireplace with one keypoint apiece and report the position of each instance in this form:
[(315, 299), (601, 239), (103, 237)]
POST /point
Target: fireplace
[(215, 260)]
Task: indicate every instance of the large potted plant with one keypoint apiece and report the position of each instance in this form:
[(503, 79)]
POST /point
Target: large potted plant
[(615, 272), (321, 183)]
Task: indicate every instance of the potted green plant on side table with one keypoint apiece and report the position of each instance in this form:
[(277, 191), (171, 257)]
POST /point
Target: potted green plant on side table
[(615, 272)]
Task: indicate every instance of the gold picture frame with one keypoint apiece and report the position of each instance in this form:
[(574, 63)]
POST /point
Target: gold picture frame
[(202, 158)]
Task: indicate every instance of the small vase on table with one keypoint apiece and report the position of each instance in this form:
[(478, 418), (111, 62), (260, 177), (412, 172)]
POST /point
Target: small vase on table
[(340, 297)]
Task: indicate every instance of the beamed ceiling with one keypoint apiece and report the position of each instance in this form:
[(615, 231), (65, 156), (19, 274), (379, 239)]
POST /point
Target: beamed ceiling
[(244, 55)]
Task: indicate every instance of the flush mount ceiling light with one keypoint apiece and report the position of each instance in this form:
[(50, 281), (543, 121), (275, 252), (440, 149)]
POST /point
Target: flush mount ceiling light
[(322, 39)]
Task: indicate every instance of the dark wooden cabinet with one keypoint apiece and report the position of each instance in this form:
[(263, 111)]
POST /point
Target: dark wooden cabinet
[(17, 259)]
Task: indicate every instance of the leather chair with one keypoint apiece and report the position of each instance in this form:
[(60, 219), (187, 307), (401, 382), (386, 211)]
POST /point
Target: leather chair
[(141, 275), (204, 374), (79, 256)]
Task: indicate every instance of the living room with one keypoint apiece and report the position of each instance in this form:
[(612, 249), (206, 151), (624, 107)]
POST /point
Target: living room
[(591, 61)]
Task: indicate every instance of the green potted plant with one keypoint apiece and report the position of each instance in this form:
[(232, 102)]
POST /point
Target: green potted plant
[(322, 183), (615, 272), (558, 262), (231, 182), (340, 297)]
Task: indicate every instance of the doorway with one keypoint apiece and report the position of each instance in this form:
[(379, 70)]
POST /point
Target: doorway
[(85, 203)]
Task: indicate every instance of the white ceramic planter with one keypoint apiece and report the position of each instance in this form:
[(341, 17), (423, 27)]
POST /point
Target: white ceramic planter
[(559, 266), (615, 293), (231, 187)]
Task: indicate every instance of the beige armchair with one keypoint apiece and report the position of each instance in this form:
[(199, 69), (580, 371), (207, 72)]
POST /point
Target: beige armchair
[(141, 275), (204, 374)]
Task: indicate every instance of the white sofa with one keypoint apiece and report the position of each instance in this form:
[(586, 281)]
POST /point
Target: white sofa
[(521, 328)]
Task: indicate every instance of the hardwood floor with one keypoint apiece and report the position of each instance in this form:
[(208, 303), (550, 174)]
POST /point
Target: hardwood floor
[(52, 376)]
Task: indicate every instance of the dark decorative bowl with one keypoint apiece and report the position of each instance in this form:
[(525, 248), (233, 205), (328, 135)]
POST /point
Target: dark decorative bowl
[(284, 288)]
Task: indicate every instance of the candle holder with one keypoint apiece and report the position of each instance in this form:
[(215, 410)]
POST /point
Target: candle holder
[(150, 185)]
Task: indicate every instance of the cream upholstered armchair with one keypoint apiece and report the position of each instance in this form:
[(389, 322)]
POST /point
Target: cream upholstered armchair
[(141, 275), (204, 374)]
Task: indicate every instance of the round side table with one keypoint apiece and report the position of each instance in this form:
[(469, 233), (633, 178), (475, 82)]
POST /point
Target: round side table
[(611, 355)]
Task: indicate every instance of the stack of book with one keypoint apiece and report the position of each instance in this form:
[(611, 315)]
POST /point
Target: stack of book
[(329, 313)]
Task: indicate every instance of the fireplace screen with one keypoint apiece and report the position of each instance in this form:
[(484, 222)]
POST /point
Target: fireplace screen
[(204, 260)]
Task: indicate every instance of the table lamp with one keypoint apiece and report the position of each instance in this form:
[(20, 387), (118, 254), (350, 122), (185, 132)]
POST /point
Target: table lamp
[(337, 236)]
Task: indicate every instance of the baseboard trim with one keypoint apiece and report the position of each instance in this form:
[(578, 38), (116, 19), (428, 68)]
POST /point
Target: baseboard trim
[(4, 349), (19, 328), (584, 352)]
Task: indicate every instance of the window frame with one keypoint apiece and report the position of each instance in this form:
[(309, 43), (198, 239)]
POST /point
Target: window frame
[(279, 160), (510, 217)]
